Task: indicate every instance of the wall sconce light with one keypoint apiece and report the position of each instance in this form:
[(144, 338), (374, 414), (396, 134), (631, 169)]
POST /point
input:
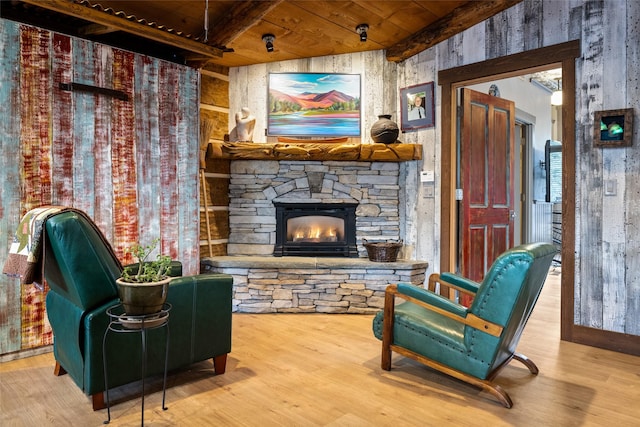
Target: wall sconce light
[(556, 96), (268, 41), (362, 30)]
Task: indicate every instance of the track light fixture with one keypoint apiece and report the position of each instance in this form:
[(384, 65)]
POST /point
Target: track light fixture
[(268, 41), (362, 30)]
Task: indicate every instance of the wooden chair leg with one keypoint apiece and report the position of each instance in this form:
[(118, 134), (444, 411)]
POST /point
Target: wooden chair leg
[(527, 362), (58, 370), (387, 327), (98, 401), (496, 391), (220, 364)]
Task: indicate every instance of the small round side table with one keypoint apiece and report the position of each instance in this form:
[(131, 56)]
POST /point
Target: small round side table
[(120, 322)]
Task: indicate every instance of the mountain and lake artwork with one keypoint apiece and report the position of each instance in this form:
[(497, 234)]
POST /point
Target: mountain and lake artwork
[(321, 105)]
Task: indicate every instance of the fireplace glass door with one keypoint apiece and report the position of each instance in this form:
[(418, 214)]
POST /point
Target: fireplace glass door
[(315, 229)]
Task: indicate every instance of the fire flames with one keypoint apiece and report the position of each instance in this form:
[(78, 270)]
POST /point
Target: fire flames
[(315, 229)]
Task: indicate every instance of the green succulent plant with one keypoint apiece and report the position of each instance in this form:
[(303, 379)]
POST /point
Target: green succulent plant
[(145, 271)]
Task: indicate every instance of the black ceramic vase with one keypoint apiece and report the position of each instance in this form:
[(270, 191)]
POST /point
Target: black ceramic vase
[(384, 130)]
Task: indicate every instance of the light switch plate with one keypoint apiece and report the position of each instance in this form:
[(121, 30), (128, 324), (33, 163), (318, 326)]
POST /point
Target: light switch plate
[(427, 176), (610, 187)]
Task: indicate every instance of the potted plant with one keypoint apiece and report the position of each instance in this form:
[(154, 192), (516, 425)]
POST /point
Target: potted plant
[(143, 286)]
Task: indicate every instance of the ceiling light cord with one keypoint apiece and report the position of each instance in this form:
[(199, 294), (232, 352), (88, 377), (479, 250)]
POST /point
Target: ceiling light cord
[(206, 20)]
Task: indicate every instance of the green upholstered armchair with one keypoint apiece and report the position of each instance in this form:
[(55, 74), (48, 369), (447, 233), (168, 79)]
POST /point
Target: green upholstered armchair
[(474, 343), (81, 268)]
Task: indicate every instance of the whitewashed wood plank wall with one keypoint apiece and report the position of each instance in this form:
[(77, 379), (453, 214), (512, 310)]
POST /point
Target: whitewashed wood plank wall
[(607, 282)]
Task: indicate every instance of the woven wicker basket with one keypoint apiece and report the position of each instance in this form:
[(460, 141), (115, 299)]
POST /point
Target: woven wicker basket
[(383, 251)]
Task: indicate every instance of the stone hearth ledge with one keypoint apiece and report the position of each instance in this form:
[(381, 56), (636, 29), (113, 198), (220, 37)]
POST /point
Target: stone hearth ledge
[(267, 284)]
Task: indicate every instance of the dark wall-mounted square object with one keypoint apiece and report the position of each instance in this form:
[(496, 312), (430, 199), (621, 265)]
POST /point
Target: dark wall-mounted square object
[(613, 128)]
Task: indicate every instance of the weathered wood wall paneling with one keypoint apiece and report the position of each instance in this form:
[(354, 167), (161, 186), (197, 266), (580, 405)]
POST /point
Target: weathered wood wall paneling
[(613, 168), (188, 160), (88, 127), (148, 155), (632, 170), (422, 226), (63, 153), (132, 166), (589, 312), (35, 95), (123, 156), (100, 142), (10, 165), (35, 135)]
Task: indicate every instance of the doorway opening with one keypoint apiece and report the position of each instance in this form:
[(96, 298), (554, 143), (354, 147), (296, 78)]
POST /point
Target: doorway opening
[(533, 210), (563, 56)]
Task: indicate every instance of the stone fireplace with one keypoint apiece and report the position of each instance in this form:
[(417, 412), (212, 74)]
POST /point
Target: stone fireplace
[(258, 186), (315, 229), (361, 196)]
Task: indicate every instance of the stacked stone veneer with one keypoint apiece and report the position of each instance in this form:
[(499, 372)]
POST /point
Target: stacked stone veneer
[(256, 184), (303, 284), (267, 284)]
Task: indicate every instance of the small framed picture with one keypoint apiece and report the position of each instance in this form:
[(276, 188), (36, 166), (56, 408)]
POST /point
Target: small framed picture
[(613, 128), (417, 107)]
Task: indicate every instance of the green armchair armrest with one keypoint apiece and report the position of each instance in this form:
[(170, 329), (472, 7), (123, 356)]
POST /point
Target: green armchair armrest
[(460, 282), (432, 299)]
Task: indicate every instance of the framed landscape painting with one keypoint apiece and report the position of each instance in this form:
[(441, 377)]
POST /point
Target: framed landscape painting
[(317, 105)]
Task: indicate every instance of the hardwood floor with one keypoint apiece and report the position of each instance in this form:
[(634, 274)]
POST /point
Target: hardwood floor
[(324, 370)]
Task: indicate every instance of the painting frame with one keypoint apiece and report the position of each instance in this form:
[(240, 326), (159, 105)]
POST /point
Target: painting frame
[(414, 116), (314, 105), (613, 128)]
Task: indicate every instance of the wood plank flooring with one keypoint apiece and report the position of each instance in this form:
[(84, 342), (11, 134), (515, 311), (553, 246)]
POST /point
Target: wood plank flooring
[(324, 370)]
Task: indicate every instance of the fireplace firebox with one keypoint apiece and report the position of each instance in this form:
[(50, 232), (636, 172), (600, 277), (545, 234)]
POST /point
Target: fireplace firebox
[(315, 229)]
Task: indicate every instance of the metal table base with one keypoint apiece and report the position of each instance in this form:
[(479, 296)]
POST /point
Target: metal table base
[(119, 322)]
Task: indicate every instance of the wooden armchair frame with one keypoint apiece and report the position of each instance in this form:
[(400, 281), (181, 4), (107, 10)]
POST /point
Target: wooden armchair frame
[(470, 320)]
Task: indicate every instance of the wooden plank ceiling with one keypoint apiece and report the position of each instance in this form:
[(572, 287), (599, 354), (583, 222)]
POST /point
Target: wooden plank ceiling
[(229, 33)]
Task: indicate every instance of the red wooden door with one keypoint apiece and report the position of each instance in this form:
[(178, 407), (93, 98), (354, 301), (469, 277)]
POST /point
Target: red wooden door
[(487, 178)]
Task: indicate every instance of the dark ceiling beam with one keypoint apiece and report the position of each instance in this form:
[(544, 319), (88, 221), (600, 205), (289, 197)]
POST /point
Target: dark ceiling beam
[(95, 30), (242, 16), (460, 19), (122, 24)]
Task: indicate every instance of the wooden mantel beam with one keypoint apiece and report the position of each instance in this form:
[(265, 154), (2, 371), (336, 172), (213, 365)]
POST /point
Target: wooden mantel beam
[(353, 152), (460, 19), (97, 16)]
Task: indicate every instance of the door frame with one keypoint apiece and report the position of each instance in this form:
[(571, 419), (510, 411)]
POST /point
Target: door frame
[(556, 56), (561, 55)]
